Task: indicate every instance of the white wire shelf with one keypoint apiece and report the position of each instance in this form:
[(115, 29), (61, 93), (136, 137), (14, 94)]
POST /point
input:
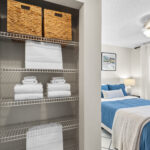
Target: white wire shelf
[(18, 132), (65, 148), (39, 70), (12, 103), (23, 37)]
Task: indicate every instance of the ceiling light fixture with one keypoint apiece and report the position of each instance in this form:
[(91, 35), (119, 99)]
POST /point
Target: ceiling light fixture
[(146, 29)]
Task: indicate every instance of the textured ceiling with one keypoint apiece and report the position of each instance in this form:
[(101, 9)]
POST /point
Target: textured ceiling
[(122, 22)]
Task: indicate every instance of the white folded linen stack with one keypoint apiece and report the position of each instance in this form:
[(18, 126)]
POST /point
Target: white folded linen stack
[(29, 89), (58, 88), (45, 137), (30, 80), (39, 55)]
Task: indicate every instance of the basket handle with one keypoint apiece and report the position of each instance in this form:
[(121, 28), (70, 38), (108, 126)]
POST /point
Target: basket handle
[(58, 15), (25, 7)]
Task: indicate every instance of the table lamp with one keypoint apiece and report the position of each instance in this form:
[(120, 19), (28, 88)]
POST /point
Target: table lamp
[(129, 83)]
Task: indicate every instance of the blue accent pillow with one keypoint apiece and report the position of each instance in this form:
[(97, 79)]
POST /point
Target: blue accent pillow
[(105, 88), (117, 87)]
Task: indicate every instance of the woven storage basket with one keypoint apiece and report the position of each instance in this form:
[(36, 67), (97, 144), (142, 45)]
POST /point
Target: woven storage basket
[(24, 18), (57, 25)]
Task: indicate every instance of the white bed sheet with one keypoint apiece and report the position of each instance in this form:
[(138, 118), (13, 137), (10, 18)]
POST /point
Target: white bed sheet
[(118, 98)]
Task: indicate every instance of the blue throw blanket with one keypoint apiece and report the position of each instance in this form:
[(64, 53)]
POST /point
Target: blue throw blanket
[(109, 109)]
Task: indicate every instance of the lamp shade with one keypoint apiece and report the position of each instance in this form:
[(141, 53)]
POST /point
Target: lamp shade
[(146, 29), (129, 82)]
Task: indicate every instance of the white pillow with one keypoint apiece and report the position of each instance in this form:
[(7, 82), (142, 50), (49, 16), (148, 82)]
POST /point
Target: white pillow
[(113, 94)]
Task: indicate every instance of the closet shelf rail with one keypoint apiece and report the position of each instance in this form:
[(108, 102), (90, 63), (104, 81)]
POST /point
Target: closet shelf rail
[(23, 37), (39, 70), (12, 103), (18, 132)]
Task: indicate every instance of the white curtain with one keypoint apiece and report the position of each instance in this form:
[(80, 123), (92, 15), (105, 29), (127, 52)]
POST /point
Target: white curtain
[(145, 71)]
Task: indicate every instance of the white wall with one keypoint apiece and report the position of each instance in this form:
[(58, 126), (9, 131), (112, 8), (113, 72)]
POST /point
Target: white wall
[(89, 75), (128, 65), (123, 64)]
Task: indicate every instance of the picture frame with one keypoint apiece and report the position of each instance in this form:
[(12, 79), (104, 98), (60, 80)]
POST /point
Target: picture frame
[(108, 61)]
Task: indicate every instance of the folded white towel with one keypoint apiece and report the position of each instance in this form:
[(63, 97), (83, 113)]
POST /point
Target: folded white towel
[(43, 52), (41, 55), (58, 87), (54, 94), (45, 137), (57, 78), (28, 88), (29, 81), (28, 96), (30, 77), (61, 81)]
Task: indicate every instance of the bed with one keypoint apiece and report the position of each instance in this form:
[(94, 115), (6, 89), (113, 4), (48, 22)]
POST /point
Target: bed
[(109, 108)]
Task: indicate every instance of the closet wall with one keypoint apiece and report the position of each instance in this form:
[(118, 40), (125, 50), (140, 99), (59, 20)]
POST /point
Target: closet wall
[(13, 115)]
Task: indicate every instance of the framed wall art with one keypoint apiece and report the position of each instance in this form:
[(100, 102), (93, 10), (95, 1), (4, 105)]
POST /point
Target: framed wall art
[(109, 61)]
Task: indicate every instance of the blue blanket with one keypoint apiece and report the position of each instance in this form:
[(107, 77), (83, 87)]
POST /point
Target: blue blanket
[(109, 109)]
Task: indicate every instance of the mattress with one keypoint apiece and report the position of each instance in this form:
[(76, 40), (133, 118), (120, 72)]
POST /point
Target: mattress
[(110, 106)]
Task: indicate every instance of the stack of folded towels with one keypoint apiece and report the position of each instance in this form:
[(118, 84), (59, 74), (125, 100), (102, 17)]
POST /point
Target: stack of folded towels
[(29, 89), (58, 88)]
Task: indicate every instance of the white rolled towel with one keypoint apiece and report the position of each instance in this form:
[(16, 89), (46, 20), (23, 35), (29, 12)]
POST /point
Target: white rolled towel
[(58, 87), (28, 88), (28, 96), (54, 94)]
